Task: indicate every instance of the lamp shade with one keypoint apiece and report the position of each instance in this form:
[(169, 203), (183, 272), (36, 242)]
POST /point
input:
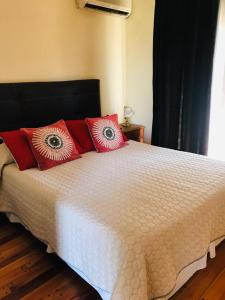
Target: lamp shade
[(128, 112)]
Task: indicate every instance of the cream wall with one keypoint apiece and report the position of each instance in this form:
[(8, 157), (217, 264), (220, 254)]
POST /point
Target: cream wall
[(45, 40), (139, 46)]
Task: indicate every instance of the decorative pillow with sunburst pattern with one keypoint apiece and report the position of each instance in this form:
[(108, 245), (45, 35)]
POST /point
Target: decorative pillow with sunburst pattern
[(51, 145), (105, 133)]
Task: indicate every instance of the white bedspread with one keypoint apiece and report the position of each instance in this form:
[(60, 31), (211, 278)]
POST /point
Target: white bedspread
[(124, 218)]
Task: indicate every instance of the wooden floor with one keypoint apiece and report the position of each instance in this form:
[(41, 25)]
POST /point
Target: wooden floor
[(27, 272), (209, 283)]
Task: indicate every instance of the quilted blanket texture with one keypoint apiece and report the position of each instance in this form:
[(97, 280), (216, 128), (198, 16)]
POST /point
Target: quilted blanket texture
[(129, 220)]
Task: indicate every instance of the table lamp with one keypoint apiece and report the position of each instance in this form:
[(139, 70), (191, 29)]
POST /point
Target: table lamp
[(128, 113)]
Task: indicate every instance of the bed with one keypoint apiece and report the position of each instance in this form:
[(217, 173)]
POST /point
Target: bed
[(135, 223)]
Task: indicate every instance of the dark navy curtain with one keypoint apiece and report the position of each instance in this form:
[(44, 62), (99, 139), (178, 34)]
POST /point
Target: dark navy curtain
[(184, 40)]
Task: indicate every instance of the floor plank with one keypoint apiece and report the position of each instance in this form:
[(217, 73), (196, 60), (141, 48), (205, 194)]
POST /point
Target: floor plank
[(14, 249), (7, 232), (216, 290), (197, 286), (63, 286), (22, 271)]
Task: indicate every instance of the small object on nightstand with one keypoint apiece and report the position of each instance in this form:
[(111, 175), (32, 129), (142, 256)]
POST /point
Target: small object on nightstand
[(134, 132), (128, 113)]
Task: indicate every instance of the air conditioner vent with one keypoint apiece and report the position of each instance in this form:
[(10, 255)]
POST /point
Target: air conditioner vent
[(119, 7), (107, 9)]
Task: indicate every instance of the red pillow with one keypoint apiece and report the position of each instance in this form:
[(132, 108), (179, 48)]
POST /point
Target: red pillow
[(77, 145), (51, 145), (20, 149), (79, 130), (106, 133), (125, 137)]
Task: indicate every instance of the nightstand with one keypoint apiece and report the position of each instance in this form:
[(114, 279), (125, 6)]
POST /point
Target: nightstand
[(134, 132)]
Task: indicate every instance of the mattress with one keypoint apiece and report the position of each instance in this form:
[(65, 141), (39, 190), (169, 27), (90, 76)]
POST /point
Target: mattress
[(123, 219)]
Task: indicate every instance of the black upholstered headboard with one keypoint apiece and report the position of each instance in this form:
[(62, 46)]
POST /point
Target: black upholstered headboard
[(41, 103)]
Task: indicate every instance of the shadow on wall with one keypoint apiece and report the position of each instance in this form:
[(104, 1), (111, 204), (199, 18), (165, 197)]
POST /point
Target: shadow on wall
[(53, 40), (139, 64), (96, 52)]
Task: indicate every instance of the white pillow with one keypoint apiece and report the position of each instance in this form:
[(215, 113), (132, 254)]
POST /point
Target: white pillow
[(5, 157)]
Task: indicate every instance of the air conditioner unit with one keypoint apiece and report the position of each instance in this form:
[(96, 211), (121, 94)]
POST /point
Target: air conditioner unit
[(120, 7)]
